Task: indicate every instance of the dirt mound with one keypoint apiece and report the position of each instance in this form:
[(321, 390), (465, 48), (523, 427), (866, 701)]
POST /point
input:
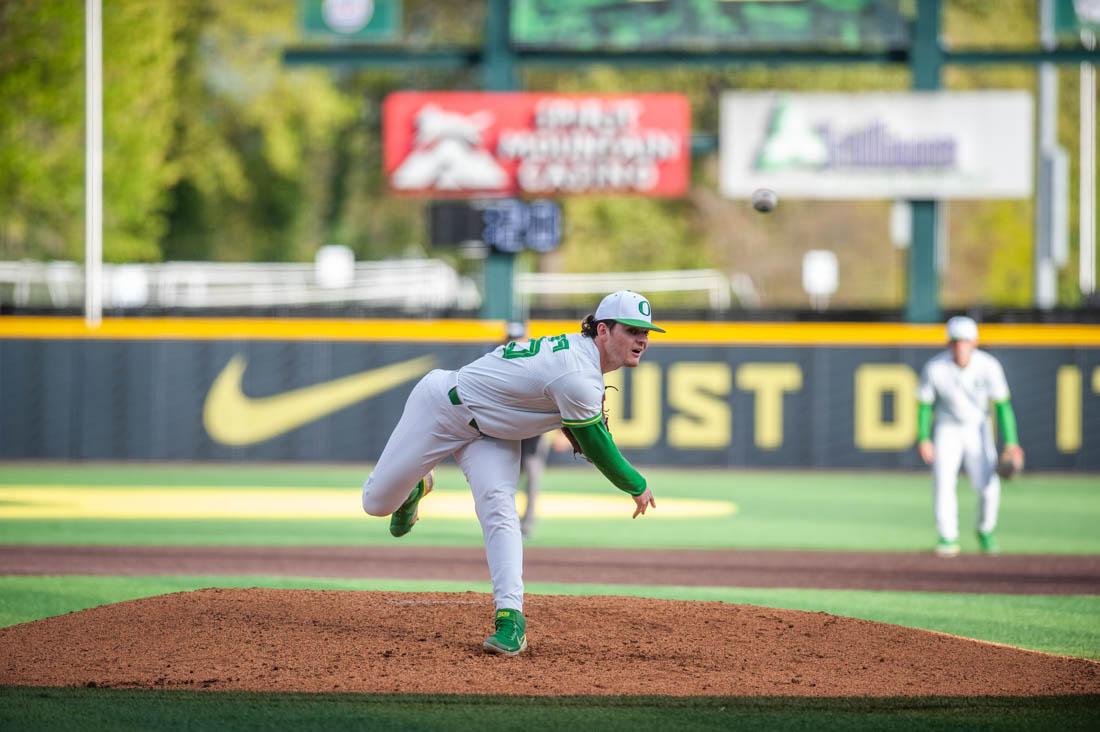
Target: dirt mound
[(298, 640)]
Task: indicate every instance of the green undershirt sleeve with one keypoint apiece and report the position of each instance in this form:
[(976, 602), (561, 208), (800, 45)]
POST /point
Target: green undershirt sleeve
[(597, 445), (1006, 421), (924, 421)]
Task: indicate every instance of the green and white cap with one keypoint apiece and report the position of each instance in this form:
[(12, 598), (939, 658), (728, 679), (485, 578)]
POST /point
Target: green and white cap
[(962, 328), (628, 308)]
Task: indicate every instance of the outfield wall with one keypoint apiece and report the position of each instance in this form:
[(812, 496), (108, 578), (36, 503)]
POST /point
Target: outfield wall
[(708, 394)]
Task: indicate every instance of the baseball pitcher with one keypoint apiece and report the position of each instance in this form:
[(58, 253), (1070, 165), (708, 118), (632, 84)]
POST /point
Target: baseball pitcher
[(482, 412), (957, 387)]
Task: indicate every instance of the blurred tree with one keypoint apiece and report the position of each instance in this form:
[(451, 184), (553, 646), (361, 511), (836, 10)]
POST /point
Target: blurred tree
[(361, 213), (277, 162), (246, 133), (997, 237), (140, 52), (990, 243), (216, 150), (42, 127)]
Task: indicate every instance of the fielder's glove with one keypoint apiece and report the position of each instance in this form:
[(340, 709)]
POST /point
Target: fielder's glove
[(1010, 464), (573, 440)]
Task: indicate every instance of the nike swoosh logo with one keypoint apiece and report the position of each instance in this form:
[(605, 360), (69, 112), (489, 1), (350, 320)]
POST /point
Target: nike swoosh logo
[(232, 418)]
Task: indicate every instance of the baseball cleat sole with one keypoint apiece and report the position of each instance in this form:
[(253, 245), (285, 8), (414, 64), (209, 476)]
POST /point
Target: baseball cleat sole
[(492, 648)]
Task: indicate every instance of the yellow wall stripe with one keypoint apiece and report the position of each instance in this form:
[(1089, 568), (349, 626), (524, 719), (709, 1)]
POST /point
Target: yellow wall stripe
[(489, 331), (846, 334), (268, 329)]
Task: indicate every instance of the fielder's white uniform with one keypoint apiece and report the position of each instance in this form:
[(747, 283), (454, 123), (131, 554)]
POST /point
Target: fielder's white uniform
[(962, 434), (516, 391)]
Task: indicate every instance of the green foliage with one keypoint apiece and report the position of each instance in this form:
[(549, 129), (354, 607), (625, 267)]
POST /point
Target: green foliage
[(214, 149), (351, 204), (990, 253), (140, 51), (41, 128), (245, 135), (623, 234), (984, 24)]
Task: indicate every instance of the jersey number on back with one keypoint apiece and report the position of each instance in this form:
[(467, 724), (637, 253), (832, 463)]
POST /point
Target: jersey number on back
[(515, 350)]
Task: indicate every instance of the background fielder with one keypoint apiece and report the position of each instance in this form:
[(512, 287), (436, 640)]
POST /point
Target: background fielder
[(481, 412), (958, 385)]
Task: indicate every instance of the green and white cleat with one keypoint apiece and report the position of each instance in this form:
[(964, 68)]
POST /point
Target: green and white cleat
[(402, 520), (946, 548), (510, 638), (988, 543)]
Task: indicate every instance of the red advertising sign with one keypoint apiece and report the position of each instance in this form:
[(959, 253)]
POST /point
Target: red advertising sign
[(487, 144)]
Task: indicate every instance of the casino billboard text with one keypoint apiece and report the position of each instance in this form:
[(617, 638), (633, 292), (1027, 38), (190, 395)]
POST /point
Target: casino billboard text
[(457, 144), (877, 145), (818, 395)]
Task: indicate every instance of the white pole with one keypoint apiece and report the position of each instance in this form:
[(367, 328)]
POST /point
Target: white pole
[(93, 162), (1087, 202), (1046, 273)]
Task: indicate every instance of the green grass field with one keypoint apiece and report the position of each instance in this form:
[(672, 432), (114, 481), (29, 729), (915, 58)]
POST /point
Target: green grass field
[(84, 709), (774, 510)]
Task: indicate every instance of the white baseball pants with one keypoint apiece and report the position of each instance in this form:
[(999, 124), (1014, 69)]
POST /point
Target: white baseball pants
[(971, 447), (430, 429)]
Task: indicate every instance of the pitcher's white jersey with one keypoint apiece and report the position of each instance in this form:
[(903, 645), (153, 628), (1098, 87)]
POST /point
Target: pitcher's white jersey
[(962, 395), (525, 388)]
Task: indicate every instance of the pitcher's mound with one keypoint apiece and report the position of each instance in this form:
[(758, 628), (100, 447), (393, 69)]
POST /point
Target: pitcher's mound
[(298, 640)]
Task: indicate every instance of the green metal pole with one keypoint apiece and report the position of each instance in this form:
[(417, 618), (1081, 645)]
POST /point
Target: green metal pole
[(926, 61), (499, 74)]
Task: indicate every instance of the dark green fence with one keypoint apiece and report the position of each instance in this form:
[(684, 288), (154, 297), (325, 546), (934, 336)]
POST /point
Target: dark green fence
[(331, 400)]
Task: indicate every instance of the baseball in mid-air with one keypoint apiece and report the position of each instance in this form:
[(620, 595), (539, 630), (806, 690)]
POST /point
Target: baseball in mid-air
[(764, 199)]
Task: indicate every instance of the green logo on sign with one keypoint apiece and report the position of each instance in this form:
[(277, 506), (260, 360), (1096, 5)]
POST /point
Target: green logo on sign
[(792, 143), (643, 308), (358, 21)]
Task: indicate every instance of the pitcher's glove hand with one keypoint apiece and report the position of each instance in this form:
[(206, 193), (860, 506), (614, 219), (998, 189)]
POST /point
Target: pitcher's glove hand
[(1011, 462), (573, 440)]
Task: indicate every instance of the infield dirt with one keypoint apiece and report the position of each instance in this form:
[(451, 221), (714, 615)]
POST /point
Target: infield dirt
[(384, 642), (1010, 574)]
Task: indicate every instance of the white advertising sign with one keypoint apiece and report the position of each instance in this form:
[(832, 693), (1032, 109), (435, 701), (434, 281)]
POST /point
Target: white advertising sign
[(912, 145)]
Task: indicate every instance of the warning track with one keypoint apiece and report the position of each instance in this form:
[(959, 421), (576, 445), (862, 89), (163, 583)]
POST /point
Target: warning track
[(1009, 574)]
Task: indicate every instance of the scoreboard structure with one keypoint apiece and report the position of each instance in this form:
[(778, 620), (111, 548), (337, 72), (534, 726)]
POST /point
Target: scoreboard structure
[(506, 225)]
